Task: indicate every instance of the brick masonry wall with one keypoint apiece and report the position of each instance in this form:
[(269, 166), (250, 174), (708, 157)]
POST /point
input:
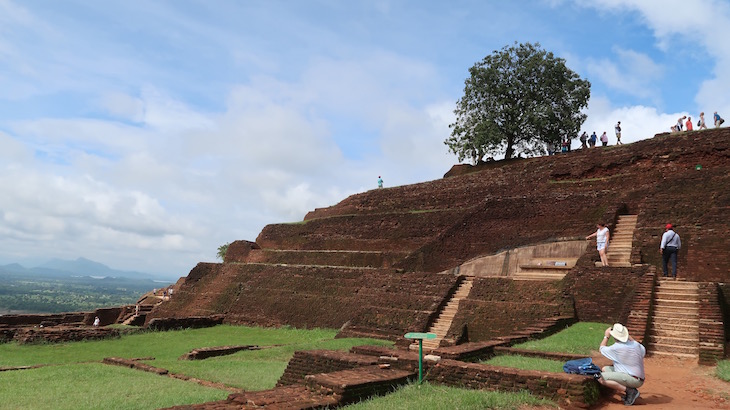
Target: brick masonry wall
[(500, 306), (712, 335), (604, 295), (567, 389), (308, 362)]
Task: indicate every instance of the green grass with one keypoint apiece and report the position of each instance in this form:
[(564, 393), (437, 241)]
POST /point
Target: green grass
[(723, 370), (526, 363), (427, 396), (97, 386), (580, 338), (73, 378)]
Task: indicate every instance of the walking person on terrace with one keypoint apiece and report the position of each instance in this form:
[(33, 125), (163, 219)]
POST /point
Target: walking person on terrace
[(701, 124), (602, 236), (627, 373), (618, 133), (668, 248)]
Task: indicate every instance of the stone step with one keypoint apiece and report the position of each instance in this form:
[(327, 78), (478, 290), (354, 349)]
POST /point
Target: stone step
[(681, 327), (671, 348), (675, 354), (684, 303), (665, 314), (677, 295), (665, 333), (615, 264), (537, 276)]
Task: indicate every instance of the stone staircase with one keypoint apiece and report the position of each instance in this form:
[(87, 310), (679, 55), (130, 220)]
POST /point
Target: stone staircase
[(675, 324), (443, 322), (553, 268), (621, 242)]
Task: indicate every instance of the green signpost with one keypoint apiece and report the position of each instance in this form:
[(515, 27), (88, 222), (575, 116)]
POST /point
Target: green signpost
[(420, 337)]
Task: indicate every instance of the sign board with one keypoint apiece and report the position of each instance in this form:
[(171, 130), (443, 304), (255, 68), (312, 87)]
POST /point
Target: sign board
[(422, 336)]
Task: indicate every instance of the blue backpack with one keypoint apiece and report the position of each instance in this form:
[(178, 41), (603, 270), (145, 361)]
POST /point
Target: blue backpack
[(581, 366)]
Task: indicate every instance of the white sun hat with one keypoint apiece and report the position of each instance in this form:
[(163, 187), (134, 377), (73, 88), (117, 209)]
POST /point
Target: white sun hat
[(619, 332)]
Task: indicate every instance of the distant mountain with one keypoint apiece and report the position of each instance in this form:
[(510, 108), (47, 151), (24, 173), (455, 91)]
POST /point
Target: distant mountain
[(78, 267)]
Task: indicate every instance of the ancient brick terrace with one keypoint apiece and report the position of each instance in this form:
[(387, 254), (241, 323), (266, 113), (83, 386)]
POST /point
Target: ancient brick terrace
[(388, 261)]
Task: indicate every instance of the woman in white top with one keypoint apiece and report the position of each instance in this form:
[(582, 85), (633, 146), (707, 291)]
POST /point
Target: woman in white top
[(602, 236)]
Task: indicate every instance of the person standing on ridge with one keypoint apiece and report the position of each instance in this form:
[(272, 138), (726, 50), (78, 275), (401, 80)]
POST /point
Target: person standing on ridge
[(689, 124), (701, 124), (604, 139), (718, 120), (602, 236), (592, 140), (380, 182), (670, 245), (583, 140), (618, 133)]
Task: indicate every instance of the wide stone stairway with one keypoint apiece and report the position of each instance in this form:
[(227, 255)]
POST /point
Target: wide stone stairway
[(675, 324), (446, 316), (621, 242)]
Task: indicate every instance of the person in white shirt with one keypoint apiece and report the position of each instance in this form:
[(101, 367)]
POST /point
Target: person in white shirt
[(602, 236), (668, 248), (627, 373)]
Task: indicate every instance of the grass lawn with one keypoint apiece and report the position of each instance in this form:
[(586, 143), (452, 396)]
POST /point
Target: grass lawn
[(526, 363), (427, 396), (97, 386), (580, 338), (74, 378)]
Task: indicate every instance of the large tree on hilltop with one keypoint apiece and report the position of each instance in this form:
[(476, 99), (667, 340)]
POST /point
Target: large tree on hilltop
[(517, 100)]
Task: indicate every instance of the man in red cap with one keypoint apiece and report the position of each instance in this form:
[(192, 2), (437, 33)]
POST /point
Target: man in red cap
[(669, 247)]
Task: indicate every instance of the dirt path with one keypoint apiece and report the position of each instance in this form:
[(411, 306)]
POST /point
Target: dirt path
[(676, 384)]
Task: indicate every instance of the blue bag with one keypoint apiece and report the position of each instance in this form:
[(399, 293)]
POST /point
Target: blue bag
[(582, 366)]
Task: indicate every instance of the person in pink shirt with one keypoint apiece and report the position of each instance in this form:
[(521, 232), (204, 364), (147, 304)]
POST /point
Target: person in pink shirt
[(689, 124)]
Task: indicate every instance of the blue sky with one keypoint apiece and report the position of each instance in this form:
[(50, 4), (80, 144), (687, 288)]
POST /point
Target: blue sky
[(144, 134)]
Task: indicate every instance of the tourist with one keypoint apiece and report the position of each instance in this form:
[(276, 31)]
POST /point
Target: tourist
[(583, 140), (602, 236), (618, 133), (604, 139), (680, 122), (718, 120), (136, 310), (689, 124), (169, 292), (592, 140), (701, 123), (627, 373), (668, 248), (96, 321), (380, 182)]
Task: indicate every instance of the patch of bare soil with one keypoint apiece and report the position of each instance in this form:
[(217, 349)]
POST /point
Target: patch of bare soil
[(673, 383)]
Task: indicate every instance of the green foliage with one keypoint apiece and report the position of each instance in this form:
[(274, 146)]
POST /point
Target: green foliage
[(222, 251), (723, 370), (35, 294), (517, 100), (580, 338), (526, 363), (427, 396)]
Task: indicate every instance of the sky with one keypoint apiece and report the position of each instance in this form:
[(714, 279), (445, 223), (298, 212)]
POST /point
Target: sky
[(143, 134)]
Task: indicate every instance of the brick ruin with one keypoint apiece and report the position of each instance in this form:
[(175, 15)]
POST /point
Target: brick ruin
[(381, 263), (387, 261)]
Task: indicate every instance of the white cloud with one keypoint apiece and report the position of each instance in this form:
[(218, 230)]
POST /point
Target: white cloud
[(631, 72)]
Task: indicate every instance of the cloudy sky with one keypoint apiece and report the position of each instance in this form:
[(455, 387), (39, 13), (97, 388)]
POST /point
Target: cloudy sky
[(143, 134)]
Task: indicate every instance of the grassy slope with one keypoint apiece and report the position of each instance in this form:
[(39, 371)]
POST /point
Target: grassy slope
[(580, 338), (76, 379)]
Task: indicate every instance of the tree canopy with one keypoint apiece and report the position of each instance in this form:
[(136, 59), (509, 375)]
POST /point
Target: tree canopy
[(517, 100)]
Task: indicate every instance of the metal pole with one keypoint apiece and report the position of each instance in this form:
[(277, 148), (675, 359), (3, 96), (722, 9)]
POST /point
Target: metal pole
[(420, 360)]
